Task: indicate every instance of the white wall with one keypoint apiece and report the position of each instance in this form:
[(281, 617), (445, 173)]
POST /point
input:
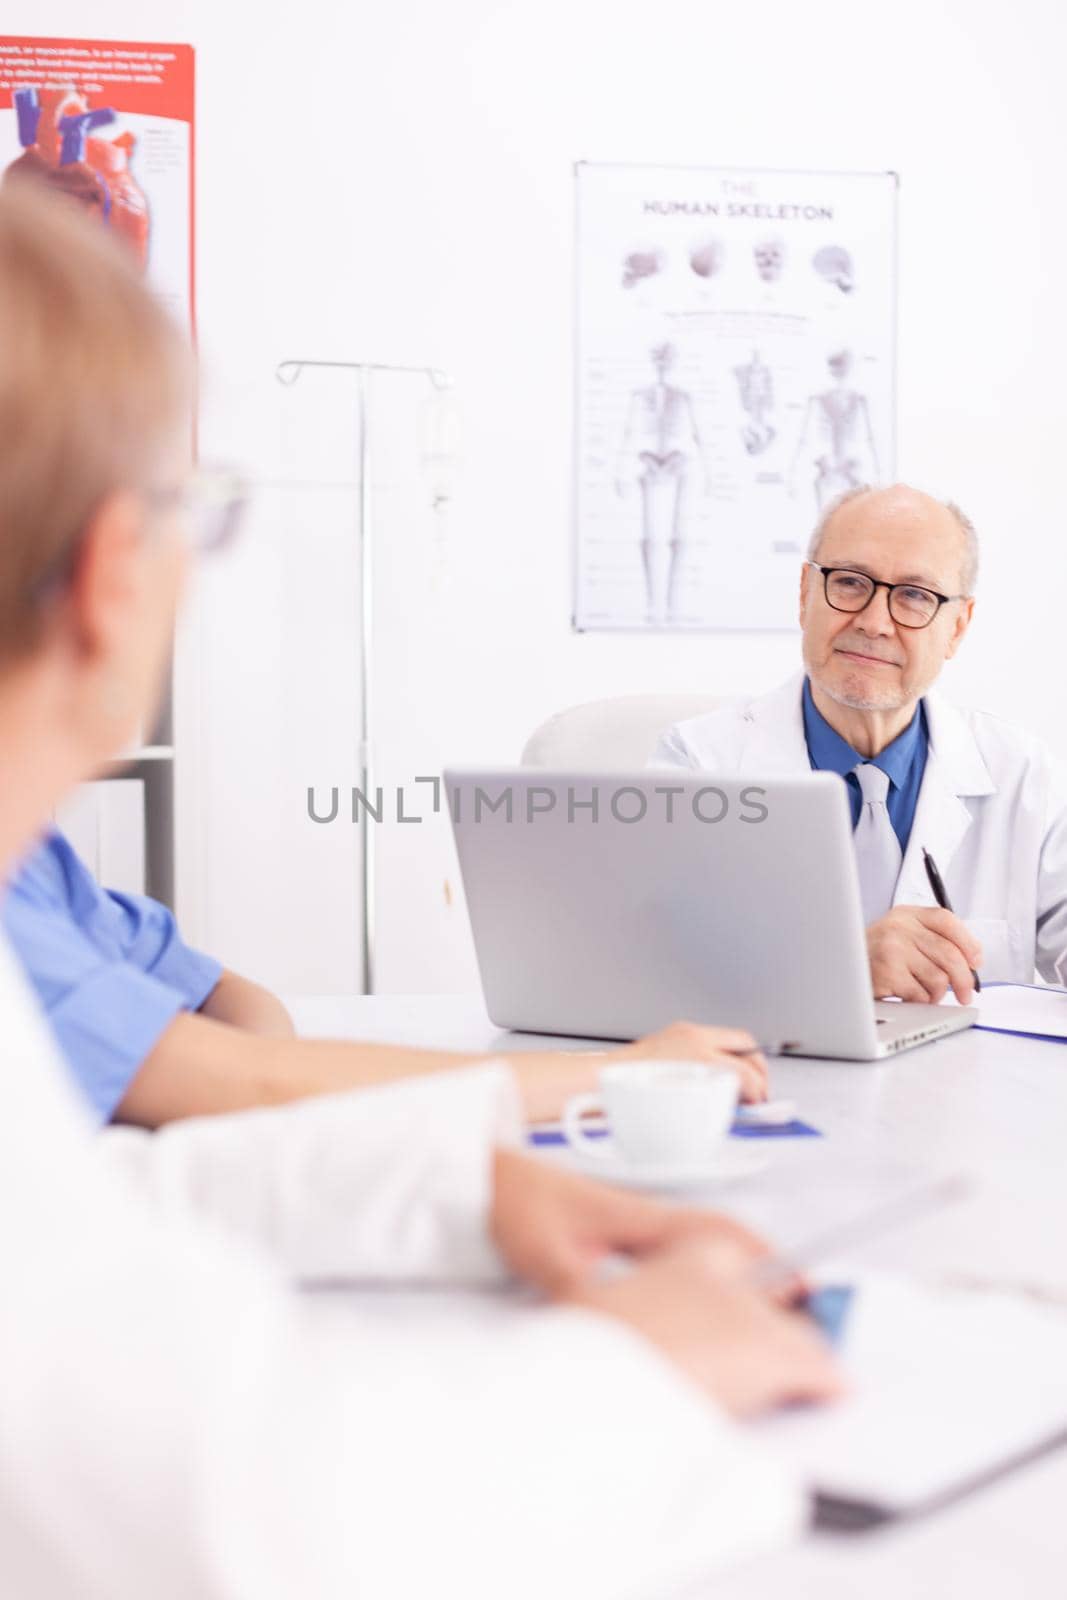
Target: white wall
[(393, 181)]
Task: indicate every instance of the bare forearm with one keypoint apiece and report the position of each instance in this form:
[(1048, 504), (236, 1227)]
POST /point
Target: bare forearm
[(201, 1067), (204, 1067), (244, 1004)]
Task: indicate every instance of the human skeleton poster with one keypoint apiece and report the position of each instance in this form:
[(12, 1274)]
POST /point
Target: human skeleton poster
[(735, 373)]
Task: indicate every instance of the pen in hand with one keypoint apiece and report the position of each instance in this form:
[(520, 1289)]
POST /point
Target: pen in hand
[(938, 890)]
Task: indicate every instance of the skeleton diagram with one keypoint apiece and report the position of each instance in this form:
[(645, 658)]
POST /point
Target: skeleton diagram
[(837, 436), (659, 442), (756, 384)]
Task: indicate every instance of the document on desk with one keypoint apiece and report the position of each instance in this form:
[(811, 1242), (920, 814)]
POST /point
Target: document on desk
[(1023, 1008), (948, 1389)]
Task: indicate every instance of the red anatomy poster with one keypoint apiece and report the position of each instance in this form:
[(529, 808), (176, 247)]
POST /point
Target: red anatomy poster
[(111, 124)]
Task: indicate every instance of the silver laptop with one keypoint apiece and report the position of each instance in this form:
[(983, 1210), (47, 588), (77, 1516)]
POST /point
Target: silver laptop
[(608, 905)]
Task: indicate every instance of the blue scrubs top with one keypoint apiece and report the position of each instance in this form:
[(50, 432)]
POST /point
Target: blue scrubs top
[(903, 762), (109, 969)]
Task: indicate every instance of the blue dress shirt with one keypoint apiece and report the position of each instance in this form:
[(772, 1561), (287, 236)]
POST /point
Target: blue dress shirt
[(109, 969), (903, 762)]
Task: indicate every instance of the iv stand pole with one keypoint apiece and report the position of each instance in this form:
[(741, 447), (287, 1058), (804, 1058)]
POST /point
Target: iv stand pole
[(288, 372)]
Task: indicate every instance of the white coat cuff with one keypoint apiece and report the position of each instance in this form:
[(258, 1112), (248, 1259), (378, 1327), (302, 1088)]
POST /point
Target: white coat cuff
[(392, 1183)]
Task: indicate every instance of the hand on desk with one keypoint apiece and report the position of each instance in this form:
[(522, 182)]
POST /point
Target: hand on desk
[(691, 1041), (919, 953), (548, 1079), (686, 1294), (553, 1227), (747, 1353)]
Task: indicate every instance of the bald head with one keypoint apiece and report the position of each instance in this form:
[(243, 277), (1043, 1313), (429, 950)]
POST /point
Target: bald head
[(903, 515)]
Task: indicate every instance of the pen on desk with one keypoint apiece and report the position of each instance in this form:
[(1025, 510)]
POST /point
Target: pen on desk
[(938, 891)]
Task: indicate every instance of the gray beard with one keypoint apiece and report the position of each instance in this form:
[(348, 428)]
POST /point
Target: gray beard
[(860, 702)]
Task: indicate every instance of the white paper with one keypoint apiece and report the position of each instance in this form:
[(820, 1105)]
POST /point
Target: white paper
[(735, 373), (1017, 1008), (946, 1384)]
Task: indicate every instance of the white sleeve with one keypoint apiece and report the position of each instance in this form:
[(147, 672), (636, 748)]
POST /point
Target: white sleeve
[(174, 1422), (1051, 938), (392, 1182), (672, 750)]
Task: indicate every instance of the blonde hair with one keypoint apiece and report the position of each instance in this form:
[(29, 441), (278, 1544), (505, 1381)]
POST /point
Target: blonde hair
[(93, 376)]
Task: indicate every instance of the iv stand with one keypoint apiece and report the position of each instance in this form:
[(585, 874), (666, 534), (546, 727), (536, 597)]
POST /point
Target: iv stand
[(288, 372)]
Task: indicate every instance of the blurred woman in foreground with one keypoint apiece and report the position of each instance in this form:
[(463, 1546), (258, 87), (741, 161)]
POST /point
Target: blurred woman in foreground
[(174, 1419)]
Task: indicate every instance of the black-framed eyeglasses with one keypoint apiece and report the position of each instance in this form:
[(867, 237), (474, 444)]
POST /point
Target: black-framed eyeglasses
[(910, 605)]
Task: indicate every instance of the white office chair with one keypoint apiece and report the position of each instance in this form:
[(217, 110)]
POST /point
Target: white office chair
[(611, 735)]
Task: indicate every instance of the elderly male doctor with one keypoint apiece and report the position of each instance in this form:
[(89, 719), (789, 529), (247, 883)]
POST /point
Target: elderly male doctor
[(886, 597)]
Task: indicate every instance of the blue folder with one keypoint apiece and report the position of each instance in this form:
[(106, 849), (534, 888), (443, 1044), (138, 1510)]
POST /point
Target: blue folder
[(740, 1130)]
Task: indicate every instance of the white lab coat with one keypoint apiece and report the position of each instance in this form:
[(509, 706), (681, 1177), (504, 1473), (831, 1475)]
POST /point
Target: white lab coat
[(992, 811), (175, 1422)]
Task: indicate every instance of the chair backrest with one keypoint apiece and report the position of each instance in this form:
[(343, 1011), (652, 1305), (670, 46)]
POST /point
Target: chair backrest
[(611, 735)]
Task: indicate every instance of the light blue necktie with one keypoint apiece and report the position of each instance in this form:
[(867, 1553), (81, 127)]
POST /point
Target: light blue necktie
[(878, 854)]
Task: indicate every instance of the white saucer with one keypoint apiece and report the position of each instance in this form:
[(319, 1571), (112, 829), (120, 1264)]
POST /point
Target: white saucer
[(725, 1166)]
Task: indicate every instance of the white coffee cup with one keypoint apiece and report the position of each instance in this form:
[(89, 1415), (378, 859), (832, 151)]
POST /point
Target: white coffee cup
[(669, 1114)]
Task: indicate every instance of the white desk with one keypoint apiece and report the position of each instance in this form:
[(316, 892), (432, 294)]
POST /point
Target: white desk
[(977, 1102)]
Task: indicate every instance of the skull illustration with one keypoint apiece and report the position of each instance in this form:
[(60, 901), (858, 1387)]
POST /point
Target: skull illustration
[(840, 363), (641, 264), (769, 256), (834, 263), (706, 256)]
